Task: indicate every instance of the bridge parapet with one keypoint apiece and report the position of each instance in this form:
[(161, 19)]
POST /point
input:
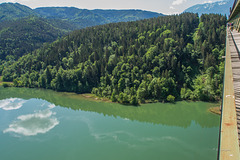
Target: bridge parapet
[(229, 140)]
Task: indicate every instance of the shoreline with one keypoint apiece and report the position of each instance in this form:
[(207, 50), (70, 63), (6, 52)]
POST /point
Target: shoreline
[(213, 109), (94, 97), (5, 84)]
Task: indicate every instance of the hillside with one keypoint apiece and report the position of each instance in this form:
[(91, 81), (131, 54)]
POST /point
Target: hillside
[(81, 18), (85, 18), (12, 11), (18, 37), (132, 62), (23, 29), (125, 15), (221, 7)]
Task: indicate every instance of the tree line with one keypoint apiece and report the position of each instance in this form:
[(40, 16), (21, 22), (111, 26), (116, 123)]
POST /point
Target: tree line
[(159, 59)]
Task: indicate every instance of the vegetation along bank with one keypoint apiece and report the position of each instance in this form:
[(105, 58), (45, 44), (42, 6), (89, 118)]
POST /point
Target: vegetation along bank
[(160, 59)]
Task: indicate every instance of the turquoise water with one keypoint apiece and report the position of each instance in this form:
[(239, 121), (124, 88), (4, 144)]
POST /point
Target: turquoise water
[(42, 124)]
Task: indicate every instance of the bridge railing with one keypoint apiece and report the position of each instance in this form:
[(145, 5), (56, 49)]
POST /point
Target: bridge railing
[(234, 4), (233, 8), (220, 128), (228, 138)]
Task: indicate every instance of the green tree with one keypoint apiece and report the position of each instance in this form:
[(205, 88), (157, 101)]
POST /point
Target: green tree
[(171, 98)]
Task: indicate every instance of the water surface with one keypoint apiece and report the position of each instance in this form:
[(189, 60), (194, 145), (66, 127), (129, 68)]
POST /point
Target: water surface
[(42, 124)]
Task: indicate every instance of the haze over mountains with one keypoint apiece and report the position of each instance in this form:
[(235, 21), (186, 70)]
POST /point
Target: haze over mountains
[(220, 7), (80, 17)]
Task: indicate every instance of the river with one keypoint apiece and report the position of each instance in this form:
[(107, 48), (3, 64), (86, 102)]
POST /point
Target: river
[(38, 124)]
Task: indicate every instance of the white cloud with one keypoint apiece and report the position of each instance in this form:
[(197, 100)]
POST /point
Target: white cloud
[(33, 124), (11, 103), (51, 106), (208, 2), (171, 7), (178, 2)]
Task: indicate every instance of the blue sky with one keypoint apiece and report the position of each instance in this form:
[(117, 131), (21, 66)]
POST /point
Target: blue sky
[(161, 6)]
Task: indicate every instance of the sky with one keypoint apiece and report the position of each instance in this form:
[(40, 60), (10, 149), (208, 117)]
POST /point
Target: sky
[(160, 6)]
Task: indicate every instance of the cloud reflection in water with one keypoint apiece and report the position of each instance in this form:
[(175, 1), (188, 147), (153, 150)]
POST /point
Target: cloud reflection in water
[(11, 103), (33, 124)]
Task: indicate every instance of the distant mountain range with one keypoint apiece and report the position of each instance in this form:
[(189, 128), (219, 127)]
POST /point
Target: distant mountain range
[(10, 11), (220, 7), (81, 18), (22, 29)]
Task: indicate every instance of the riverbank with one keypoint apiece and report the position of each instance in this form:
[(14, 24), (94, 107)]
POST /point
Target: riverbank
[(92, 97), (95, 98), (215, 110), (5, 84)]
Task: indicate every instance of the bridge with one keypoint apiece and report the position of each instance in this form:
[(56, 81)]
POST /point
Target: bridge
[(229, 138)]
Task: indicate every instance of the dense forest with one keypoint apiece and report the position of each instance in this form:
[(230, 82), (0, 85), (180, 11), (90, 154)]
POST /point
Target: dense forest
[(23, 29), (13, 11), (21, 36), (159, 59)]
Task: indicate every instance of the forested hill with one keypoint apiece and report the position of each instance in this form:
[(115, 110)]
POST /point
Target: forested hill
[(21, 36), (12, 11), (80, 17), (23, 29), (156, 59), (113, 16), (85, 18)]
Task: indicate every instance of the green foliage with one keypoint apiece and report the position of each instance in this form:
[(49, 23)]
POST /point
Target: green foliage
[(132, 62), (5, 84), (134, 100), (186, 93), (19, 37), (166, 33), (22, 29), (114, 97), (171, 98), (10, 11)]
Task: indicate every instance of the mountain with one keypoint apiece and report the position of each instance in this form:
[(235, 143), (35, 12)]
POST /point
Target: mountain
[(86, 18), (23, 29), (81, 18), (157, 59), (220, 7), (21, 36), (10, 11), (125, 15)]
